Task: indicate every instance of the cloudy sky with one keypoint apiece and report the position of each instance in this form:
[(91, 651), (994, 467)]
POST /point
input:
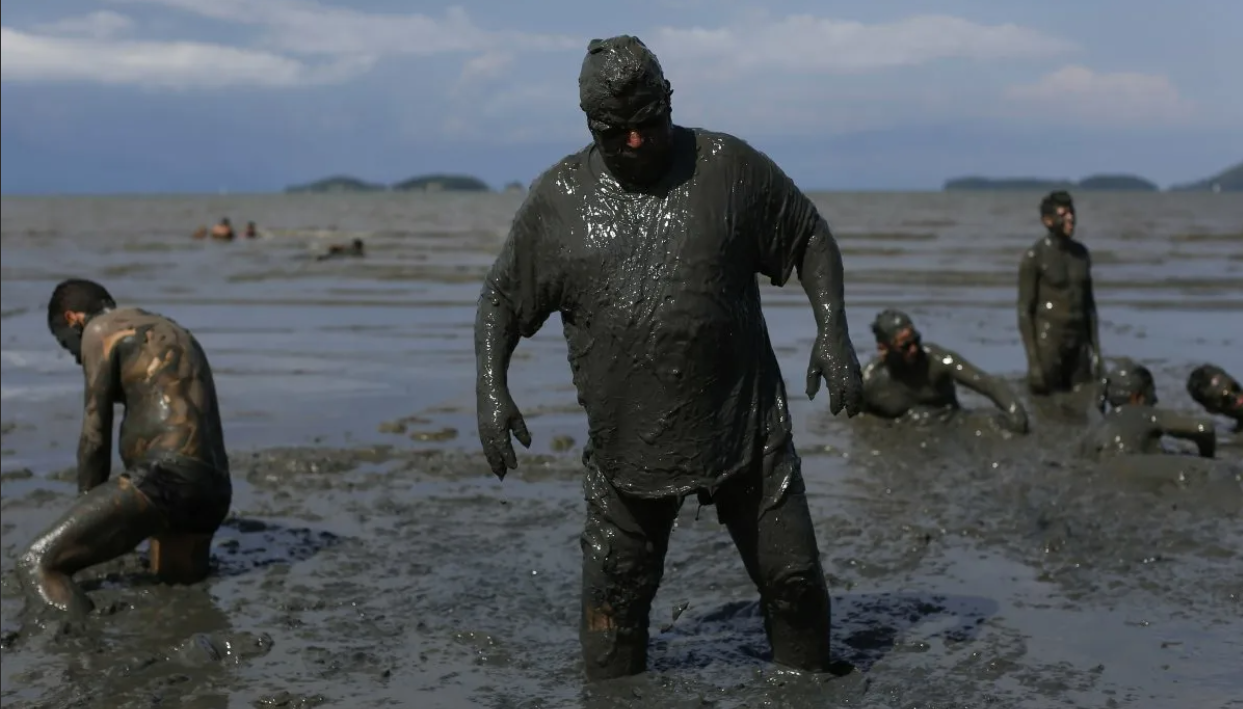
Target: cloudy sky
[(242, 95)]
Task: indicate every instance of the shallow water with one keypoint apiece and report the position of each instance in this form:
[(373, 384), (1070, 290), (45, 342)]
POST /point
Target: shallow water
[(373, 561)]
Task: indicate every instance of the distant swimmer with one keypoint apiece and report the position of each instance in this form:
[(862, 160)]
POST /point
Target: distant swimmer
[(176, 488), (1134, 424), (911, 376), (1218, 392), (354, 248), (252, 232), (1056, 305), (223, 231)]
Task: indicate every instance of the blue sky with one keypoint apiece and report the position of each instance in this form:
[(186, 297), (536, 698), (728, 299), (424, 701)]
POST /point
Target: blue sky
[(251, 95)]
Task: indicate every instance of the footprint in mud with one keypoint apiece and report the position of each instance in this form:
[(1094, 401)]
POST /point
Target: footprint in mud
[(866, 628)]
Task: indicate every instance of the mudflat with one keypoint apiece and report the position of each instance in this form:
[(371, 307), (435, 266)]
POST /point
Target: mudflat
[(371, 560)]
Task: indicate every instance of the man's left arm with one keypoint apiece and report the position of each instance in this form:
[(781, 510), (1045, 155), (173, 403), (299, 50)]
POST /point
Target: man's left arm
[(95, 442), (966, 374), (1094, 329), (1199, 431), (796, 236)]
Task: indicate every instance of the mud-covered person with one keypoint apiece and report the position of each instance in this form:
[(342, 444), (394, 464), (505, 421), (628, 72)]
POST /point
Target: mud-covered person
[(1219, 393), (1134, 425), (354, 248), (648, 243), (176, 487), (911, 376), (1057, 307)]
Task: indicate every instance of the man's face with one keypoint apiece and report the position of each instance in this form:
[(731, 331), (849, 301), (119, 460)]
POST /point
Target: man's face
[(636, 152), (1226, 393), (903, 350), (69, 334), (1062, 222)]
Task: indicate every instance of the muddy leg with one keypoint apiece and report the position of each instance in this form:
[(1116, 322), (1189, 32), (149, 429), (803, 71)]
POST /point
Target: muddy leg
[(624, 544), (103, 524), (181, 558), (770, 523)]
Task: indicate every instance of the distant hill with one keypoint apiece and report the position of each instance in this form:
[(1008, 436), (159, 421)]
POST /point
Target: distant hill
[(442, 183), (1229, 180), (1097, 183), (338, 183)]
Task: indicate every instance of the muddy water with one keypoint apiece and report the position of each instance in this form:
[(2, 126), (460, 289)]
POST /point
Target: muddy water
[(371, 560)]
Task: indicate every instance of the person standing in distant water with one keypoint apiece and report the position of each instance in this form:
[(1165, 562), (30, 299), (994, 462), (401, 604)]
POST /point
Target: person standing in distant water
[(176, 489), (1056, 305), (252, 232), (223, 231)]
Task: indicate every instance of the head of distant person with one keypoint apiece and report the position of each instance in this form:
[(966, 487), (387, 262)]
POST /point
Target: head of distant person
[(74, 302), (1057, 212), (897, 340), (1130, 383), (623, 92), (1218, 392)]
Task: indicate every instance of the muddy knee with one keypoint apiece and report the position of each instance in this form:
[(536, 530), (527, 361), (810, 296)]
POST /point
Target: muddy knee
[(181, 558), (797, 592)]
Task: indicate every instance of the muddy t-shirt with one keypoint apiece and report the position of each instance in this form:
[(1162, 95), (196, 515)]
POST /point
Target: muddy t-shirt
[(661, 307)]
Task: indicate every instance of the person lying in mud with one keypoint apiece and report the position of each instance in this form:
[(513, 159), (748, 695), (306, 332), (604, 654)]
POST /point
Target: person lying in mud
[(1219, 393), (1057, 307), (648, 243), (176, 488), (1134, 424), (911, 376), (354, 248), (223, 231)]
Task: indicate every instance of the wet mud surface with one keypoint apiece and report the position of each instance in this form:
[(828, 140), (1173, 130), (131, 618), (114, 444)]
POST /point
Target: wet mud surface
[(371, 560)]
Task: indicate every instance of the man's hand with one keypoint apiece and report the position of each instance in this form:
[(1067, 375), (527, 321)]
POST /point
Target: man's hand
[(498, 416), (1015, 421), (833, 358)]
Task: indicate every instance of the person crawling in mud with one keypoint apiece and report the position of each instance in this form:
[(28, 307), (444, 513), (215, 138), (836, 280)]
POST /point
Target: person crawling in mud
[(911, 376), (1134, 424), (176, 487), (354, 248), (648, 243), (223, 231), (1056, 305), (1219, 393)]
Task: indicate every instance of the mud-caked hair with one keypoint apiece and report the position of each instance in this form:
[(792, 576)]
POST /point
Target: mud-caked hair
[(1053, 200), (889, 323), (77, 295), (1127, 379), (620, 74)]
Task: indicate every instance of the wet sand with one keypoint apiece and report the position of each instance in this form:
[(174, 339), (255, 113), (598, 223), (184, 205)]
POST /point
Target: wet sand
[(372, 560)]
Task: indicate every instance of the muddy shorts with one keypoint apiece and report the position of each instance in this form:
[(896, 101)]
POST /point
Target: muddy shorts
[(192, 496)]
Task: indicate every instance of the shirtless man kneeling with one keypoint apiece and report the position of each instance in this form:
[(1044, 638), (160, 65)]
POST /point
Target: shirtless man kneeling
[(176, 489)]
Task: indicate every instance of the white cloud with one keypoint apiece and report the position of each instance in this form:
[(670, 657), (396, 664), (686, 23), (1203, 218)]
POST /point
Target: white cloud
[(487, 66), (31, 57), (805, 44), (102, 24), (1081, 93), (309, 27)]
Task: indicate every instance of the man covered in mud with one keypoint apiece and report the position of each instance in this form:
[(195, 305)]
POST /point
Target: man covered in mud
[(911, 376), (1219, 393), (176, 488), (648, 243), (1056, 305), (1134, 424), (354, 248)]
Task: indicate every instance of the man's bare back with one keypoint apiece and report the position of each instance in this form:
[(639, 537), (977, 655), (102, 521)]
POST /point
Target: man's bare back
[(159, 372)]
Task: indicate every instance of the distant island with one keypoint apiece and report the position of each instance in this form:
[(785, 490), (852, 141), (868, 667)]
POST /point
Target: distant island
[(337, 183), (1094, 183), (1229, 180), (422, 183)]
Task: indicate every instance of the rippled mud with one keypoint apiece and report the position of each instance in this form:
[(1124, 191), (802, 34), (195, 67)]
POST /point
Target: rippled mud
[(968, 568)]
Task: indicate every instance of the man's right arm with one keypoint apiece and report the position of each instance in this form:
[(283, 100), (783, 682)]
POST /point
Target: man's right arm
[(1029, 275), (1190, 428), (519, 293), (95, 442)]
